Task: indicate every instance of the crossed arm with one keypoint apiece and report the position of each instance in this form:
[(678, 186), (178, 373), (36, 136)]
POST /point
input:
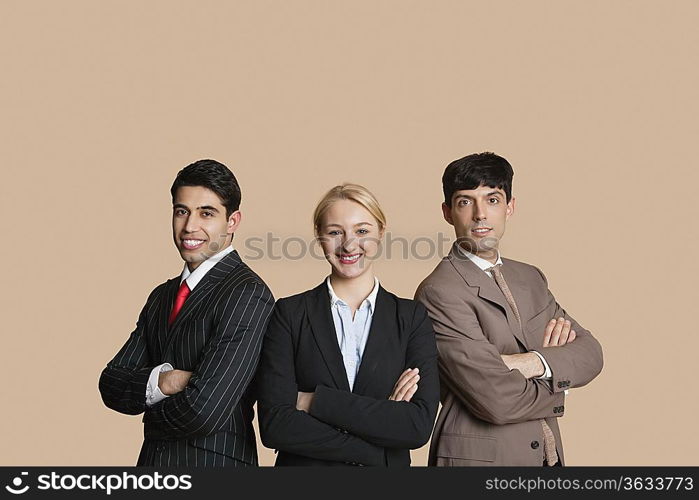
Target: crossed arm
[(337, 425), (482, 379), (223, 373), (123, 382), (558, 333)]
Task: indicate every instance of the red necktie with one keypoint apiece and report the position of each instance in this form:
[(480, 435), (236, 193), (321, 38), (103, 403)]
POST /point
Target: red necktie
[(182, 295)]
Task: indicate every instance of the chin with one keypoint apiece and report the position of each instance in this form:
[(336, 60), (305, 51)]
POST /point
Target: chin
[(353, 272)]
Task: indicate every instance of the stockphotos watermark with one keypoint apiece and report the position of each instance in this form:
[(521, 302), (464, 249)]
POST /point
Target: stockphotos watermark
[(273, 247), (100, 482)]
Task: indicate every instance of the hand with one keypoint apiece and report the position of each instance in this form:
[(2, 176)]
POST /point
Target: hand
[(558, 333), (173, 381), (528, 363), (406, 385), (304, 401)]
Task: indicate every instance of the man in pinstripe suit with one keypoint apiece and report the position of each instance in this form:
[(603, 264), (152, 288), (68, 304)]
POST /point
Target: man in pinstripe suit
[(189, 363)]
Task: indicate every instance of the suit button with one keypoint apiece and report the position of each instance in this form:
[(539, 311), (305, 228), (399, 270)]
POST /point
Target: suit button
[(560, 384), (535, 445)]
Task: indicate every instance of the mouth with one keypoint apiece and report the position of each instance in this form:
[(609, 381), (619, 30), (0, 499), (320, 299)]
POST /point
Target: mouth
[(349, 258), (192, 244), (481, 231)]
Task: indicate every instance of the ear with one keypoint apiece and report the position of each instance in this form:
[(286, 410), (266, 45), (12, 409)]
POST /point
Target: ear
[(446, 212), (510, 208), (233, 222)]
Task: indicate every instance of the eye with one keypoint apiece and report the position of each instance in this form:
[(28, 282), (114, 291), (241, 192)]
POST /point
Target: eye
[(463, 202), (363, 231), (494, 200), (207, 214), (180, 211), (334, 232)]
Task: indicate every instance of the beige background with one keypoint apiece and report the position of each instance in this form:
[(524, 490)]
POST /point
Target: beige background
[(594, 103)]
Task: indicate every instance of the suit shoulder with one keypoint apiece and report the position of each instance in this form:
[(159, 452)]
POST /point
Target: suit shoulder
[(293, 302), (442, 275), (159, 290), (516, 263), (406, 308), (242, 275), (527, 271)]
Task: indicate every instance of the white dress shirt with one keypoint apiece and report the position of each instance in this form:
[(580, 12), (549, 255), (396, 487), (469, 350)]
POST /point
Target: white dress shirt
[(153, 392)]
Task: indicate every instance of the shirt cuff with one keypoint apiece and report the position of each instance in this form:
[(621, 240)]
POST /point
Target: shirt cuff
[(153, 393), (547, 369)]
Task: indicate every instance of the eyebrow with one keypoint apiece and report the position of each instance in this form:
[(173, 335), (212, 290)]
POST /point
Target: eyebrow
[(203, 207), (498, 193), (357, 224)]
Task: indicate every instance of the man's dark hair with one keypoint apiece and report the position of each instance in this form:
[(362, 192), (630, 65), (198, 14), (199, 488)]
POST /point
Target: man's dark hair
[(478, 169), (212, 175)]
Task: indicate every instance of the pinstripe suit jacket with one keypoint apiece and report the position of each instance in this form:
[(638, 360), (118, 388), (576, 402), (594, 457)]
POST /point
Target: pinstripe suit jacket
[(218, 336)]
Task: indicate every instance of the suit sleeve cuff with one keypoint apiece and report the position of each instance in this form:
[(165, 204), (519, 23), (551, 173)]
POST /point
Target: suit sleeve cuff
[(319, 406), (548, 375), (153, 393)]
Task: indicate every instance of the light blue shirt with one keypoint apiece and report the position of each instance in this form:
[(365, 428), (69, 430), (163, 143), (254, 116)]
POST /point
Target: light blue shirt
[(352, 333)]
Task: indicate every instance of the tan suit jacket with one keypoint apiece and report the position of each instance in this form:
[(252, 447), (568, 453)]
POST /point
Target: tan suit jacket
[(490, 414)]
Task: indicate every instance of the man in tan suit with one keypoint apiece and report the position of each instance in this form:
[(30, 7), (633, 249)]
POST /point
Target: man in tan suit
[(508, 352)]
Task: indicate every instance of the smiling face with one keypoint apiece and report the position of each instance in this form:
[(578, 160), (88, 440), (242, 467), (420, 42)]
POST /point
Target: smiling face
[(200, 227), (349, 236), (479, 217)]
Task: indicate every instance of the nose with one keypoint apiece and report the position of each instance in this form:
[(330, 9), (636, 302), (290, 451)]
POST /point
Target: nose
[(479, 211), (192, 224), (348, 242)]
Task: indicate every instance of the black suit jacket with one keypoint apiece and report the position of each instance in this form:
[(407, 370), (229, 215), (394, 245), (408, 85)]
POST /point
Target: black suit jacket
[(361, 427), (217, 335)]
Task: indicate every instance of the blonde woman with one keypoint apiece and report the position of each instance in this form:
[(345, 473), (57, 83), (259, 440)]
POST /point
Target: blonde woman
[(348, 374)]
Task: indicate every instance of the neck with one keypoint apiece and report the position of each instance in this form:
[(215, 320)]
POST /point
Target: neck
[(489, 254), (353, 290)]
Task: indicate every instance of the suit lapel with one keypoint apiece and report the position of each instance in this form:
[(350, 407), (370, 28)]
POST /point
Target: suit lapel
[(323, 328), (383, 322), (518, 288), (487, 289), (200, 292)]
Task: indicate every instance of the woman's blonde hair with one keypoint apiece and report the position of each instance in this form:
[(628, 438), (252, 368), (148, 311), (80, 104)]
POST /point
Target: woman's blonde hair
[(353, 192)]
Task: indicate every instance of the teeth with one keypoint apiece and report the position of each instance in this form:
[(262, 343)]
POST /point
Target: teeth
[(354, 258), (481, 230), (192, 243)]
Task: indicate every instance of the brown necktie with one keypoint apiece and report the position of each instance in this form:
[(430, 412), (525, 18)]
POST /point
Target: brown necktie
[(549, 439)]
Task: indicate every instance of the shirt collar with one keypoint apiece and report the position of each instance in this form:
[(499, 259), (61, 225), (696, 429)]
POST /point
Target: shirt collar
[(479, 261), (370, 300), (194, 277)]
